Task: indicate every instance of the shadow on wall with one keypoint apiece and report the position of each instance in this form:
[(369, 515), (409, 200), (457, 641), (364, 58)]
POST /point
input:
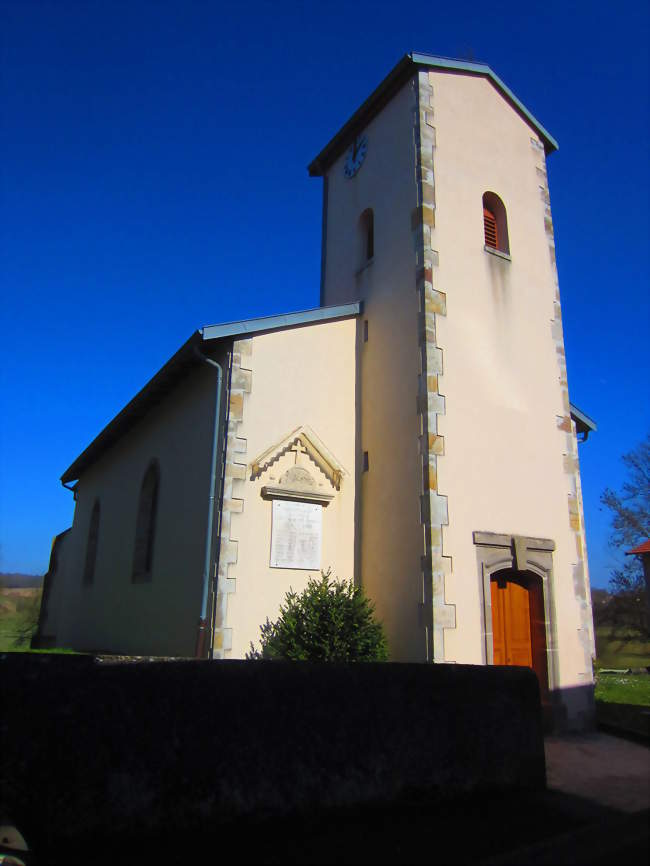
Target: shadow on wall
[(570, 710), (41, 639)]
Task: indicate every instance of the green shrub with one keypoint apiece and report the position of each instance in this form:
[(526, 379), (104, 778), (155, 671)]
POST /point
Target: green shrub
[(329, 621)]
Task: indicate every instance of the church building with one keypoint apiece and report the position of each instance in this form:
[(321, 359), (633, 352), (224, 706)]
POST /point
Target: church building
[(413, 433)]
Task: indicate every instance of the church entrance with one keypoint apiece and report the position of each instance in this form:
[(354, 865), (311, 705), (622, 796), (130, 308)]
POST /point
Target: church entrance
[(519, 624)]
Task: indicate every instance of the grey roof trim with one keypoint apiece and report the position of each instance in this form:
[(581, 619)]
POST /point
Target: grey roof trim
[(395, 79), (153, 392), (584, 423), (171, 373), (550, 143), (283, 320)]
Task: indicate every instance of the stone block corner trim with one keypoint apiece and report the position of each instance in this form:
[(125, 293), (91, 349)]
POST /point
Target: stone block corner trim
[(435, 615)]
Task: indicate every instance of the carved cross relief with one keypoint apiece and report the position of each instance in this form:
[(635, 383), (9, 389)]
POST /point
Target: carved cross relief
[(299, 449)]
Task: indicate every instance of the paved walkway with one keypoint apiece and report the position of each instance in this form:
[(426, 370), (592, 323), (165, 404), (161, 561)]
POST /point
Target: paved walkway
[(603, 769)]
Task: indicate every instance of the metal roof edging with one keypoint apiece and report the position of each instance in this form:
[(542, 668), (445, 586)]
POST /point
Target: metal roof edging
[(112, 431), (282, 320), (160, 381), (484, 69), (586, 420), (395, 78)]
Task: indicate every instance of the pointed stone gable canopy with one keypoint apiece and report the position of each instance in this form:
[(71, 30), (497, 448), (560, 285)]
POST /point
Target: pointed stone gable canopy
[(314, 449)]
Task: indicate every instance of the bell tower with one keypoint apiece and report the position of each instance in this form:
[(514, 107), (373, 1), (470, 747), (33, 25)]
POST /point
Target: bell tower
[(371, 217), (436, 215)]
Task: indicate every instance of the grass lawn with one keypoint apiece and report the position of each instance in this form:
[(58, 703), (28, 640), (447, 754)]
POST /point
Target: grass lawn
[(18, 617), (623, 704), (623, 689), (622, 700)]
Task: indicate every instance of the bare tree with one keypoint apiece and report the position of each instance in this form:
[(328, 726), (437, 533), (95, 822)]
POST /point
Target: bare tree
[(630, 508)]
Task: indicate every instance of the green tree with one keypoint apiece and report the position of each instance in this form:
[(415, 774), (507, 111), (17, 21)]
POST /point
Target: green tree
[(630, 508), (329, 621)]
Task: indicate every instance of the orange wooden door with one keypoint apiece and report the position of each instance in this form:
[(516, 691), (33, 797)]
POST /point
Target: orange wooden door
[(538, 637), (511, 623), (498, 622)]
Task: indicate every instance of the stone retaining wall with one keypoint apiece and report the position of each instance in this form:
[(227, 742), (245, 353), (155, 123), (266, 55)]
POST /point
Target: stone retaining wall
[(95, 747)]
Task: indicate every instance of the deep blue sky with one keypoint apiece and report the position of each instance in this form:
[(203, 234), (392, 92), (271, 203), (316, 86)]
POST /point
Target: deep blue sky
[(153, 179)]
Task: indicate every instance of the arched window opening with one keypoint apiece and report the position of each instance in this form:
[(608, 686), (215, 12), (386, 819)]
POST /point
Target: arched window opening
[(367, 236), (91, 545), (145, 529), (495, 223)]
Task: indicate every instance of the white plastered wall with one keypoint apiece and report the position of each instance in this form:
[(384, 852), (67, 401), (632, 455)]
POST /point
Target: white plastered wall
[(300, 377), (158, 617), (391, 534), (503, 465)]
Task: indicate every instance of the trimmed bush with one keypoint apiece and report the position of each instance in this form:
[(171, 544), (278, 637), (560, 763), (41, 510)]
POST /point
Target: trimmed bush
[(329, 621)]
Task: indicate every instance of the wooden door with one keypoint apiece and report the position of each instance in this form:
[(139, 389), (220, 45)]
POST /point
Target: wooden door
[(511, 631)]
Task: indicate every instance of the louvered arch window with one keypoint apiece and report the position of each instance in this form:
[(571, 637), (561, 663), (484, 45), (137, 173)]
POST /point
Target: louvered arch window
[(490, 228), (495, 223), (91, 545), (145, 529)]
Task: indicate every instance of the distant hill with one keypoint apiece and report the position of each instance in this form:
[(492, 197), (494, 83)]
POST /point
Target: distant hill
[(15, 580)]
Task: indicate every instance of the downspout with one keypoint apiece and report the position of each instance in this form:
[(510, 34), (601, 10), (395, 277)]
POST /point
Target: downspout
[(203, 619)]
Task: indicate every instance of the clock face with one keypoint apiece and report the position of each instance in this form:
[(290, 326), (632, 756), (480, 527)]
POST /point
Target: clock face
[(355, 156)]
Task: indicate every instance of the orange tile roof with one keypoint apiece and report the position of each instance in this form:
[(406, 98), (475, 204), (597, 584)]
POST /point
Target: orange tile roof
[(642, 548)]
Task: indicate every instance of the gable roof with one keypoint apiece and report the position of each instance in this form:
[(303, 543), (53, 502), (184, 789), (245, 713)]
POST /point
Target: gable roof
[(395, 80), (180, 364)]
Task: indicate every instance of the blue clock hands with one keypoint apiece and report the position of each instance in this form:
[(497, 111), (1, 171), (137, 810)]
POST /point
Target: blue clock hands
[(356, 155)]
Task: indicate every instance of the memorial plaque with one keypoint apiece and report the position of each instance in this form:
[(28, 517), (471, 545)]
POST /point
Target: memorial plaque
[(296, 534)]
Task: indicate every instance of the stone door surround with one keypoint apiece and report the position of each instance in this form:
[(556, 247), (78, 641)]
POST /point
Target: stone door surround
[(496, 552)]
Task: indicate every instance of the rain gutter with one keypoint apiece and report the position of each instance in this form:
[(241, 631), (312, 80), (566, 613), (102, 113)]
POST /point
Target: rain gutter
[(215, 484)]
